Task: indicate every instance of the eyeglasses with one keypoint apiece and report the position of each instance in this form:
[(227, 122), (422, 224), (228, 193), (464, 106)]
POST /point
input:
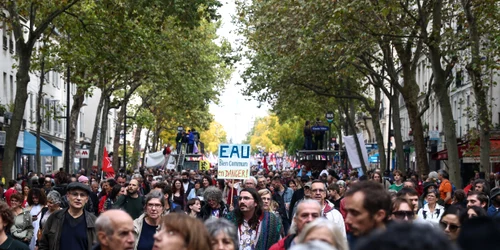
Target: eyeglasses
[(451, 227), (157, 206), (245, 198), (403, 214)]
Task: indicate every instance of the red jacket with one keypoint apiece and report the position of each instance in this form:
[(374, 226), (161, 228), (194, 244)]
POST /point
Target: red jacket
[(284, 243)]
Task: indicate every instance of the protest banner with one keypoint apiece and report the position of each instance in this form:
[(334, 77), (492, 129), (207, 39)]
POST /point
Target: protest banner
[(234, 161)]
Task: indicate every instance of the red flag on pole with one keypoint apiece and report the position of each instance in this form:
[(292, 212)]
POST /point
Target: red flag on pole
[(106, 163), (264, 164)]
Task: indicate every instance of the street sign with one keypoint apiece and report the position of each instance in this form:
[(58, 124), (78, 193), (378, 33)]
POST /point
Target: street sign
[(82, 153), (329, 116), (319, 128)]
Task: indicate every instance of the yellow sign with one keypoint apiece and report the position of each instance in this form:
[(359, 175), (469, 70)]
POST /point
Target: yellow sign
[(204, 165)]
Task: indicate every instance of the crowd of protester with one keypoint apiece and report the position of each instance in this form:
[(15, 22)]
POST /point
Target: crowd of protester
[(280, 209)]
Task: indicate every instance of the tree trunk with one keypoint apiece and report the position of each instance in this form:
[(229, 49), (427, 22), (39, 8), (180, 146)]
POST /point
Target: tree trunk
[(103, 137), (440, 87), (94, 142), (408, 91), (22, 80), (78, 99), (374, 113), (398, 137), (474, 70), (116, 141), (145, 147), (38, 115), (136, 154)]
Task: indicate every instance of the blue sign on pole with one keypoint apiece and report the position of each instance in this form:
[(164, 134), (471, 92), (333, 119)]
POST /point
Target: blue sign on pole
[(319, 128)]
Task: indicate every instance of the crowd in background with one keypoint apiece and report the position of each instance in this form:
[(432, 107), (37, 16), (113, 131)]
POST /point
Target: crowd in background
[(280, 209)]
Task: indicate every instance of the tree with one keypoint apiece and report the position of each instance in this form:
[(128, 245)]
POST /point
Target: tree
[(481, 21), (26, 33), (214, 136)]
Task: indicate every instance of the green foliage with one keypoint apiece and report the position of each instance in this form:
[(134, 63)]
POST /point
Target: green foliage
[(274, 135)]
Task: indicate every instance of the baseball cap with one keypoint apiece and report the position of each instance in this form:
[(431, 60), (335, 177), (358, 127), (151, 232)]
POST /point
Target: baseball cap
[(78, 185), (308, 185)]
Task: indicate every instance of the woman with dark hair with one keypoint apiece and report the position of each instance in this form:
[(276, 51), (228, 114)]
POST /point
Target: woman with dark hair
[(36, 200), (451, 221), (292, 184), (196, 191), (178, 193), (26, 190), (206, 182), (474, 211), (193, 208), (181, 232), (22, 229), (113, 196), (377, 177), (107, 187), (7, 219)]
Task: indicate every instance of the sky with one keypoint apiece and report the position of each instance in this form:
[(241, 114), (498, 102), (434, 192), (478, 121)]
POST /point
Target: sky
[(235, 112)]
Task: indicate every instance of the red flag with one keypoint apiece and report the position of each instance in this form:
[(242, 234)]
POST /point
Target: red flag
[(264, 164), (106, 163)]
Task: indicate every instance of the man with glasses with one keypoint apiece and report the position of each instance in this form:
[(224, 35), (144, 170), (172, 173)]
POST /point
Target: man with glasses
[(72, 227), (257, 229), (318, 192), (146, 225)]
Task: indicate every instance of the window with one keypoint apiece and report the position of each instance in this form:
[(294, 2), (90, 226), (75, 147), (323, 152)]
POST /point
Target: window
[(5, 45), (12, 96), (82, 121), (46, 115), (55, 79), (11, 46), (5, 88), (458, 78), (31, 107)]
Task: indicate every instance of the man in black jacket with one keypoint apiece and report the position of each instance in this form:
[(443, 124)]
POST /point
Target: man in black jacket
[(72, 227)]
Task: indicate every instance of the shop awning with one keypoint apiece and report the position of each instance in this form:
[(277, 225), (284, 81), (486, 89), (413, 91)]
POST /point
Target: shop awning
[(46, 148), (466, 150)]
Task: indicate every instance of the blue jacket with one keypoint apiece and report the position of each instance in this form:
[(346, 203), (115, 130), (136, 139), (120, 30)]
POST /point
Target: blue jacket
[(493, 212), (191, 138)]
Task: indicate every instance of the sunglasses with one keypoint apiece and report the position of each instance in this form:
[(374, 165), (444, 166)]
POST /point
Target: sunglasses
[(403, 214), (451, 227)]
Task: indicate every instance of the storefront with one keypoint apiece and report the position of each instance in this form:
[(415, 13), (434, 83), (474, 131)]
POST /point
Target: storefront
[(48, 152)]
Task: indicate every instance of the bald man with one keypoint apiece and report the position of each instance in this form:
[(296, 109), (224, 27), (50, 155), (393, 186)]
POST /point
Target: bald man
[(115, 230)]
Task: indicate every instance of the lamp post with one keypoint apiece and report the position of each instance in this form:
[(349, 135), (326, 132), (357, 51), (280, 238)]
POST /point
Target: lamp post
[(68, 119)]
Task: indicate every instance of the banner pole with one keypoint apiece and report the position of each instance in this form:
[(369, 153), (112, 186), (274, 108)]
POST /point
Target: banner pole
[(232, 193)]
